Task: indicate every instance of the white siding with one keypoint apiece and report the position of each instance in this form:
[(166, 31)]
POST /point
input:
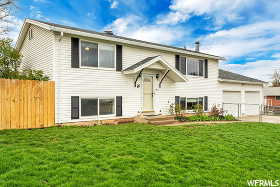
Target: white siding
[(38, 53), (108, 83)]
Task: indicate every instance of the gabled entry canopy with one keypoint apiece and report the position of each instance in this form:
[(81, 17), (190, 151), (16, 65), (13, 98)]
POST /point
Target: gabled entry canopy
[(156, 63)]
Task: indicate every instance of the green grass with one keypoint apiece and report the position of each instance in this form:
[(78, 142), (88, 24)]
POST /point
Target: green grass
[(140, 155)]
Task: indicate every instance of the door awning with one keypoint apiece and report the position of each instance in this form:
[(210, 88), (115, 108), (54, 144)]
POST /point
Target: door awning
[(156, 63)]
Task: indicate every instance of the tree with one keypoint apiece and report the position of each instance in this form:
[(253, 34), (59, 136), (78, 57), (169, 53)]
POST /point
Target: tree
[(6, 7), (10, 60), (276, 79)]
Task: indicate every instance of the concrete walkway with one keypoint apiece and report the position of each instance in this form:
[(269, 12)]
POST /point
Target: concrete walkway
[(264, 118)]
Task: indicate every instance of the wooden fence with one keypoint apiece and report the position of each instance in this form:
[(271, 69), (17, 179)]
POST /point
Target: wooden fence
[(26, 104)]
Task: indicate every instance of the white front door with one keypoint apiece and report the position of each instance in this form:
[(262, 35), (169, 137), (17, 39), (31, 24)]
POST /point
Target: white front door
[(148, 93)]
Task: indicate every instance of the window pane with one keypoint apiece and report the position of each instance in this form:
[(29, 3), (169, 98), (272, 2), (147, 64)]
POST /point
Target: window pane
[(183, 103), (193, 67), (183, 65), (191, 102), (89, 107), (89, 54), (277, 97), (106, 106), (107, 56)]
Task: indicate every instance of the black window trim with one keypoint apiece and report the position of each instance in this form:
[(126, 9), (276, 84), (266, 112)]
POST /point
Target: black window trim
[(98, 58)]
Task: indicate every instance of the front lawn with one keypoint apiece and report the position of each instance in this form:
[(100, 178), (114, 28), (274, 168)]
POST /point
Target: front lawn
[(140, 155)]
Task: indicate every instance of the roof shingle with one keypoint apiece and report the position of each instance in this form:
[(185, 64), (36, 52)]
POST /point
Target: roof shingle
[(236, 77)]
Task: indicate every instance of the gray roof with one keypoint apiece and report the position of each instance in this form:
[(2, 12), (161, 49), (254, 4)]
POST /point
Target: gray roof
[(236, 77), (121, 37), (138, 64)]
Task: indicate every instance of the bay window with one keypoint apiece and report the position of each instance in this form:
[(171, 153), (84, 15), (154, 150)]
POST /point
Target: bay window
[(97, 55)]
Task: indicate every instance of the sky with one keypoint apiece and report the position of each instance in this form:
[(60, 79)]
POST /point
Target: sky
[(245, 32)]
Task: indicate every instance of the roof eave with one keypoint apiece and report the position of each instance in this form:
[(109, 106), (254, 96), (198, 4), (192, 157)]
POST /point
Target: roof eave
[(241, 82), (24, 30), (108, 38)]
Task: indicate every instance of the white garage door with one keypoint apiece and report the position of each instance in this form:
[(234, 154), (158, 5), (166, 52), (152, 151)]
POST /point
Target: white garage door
[(231, 100), (252, 102)]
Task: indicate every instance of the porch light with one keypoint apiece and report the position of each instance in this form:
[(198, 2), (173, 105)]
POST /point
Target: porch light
[(157, 76)]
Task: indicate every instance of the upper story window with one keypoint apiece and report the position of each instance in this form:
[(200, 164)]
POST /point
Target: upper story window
[(97, 55), (191, 66), (277, 98), (195, 67)]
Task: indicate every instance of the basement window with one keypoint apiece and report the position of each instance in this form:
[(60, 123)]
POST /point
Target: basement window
[(192, 102), (94, 106)]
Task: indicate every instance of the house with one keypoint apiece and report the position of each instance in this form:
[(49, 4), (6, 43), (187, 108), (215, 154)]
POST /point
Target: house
[(100, 75), (271, 96)]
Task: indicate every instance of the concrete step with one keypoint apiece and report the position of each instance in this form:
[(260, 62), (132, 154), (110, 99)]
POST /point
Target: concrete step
[(163, 122)]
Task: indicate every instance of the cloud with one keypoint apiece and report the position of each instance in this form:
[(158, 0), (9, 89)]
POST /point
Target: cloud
[(37, 13), (221, 11), (260, 69), (136, 27), (114, 4), (251, 39)]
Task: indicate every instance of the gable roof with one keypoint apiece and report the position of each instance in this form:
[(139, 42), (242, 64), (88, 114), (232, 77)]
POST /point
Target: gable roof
[(140, 63), (173, 73), (105, 36), (227, 75)]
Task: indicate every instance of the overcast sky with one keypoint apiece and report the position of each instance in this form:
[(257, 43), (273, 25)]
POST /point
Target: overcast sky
[(245, 32)]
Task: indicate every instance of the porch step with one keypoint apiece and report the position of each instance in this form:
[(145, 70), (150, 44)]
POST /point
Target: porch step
[(163, 122)]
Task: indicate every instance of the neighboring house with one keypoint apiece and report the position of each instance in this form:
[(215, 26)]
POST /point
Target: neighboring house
[(272, 96), (104, 76)]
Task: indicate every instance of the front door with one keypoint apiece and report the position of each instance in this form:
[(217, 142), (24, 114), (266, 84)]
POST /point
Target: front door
[(148, 93)]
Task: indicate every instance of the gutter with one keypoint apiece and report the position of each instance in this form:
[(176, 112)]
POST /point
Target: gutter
[(241, 82)]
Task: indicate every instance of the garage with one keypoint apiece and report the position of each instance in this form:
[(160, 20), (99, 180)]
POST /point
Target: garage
[(231, 102), (252, 102)]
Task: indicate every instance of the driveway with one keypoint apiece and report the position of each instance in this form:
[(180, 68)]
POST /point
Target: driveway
[(264, 118)]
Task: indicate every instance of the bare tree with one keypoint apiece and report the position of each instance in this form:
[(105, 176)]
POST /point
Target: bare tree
[(6, 6), (276, 79)]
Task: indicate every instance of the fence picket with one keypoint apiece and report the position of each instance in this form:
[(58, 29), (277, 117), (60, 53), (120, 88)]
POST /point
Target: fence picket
[(26, 104)]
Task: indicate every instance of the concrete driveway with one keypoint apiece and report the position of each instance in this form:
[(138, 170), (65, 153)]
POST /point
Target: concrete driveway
[(264, 118)]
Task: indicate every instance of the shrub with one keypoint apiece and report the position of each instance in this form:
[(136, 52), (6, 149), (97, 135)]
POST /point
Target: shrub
[(229, 117), (198, 109), (205, 118), (178, 110), (171, 109), (29, 74), (215, 111)]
